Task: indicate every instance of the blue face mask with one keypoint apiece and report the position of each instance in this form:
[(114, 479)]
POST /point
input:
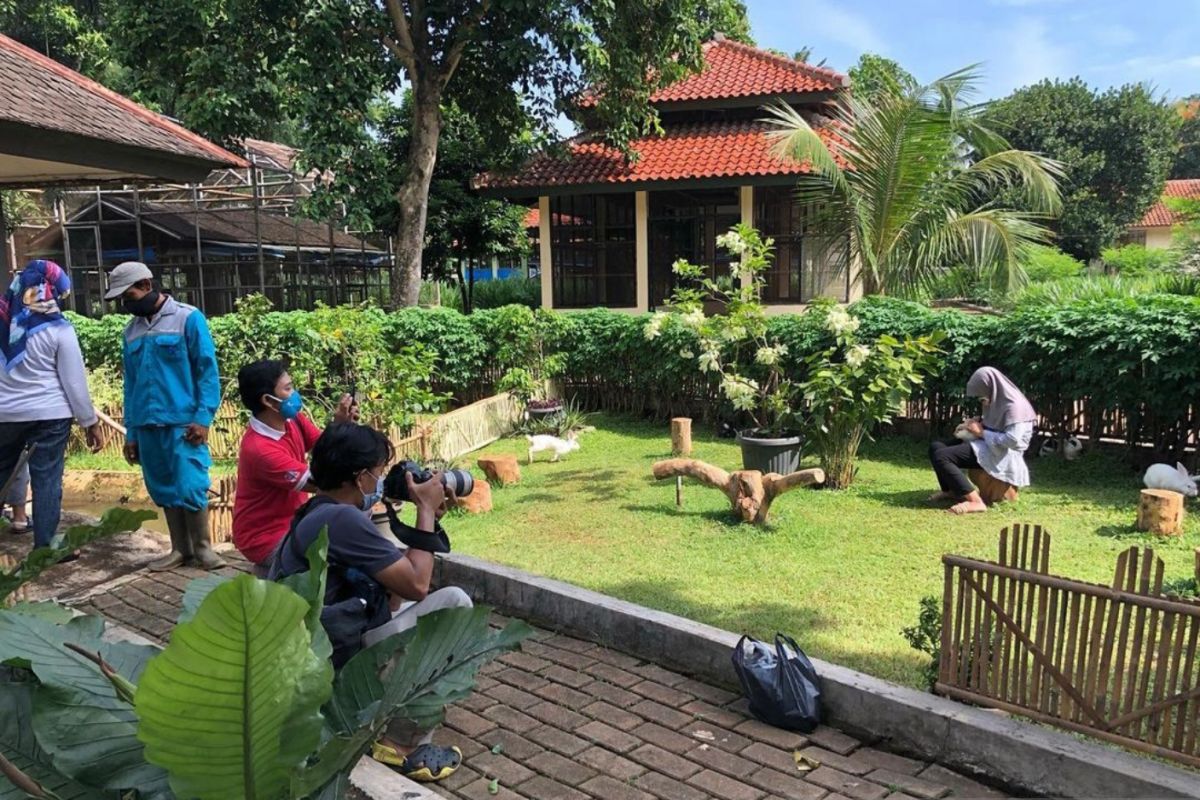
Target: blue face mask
[(369, 500), (290, 408)]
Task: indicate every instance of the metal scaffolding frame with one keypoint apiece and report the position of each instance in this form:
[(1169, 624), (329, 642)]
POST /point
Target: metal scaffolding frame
[(238, 232)]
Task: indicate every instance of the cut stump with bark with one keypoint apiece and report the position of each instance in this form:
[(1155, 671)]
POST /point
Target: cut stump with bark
[(991, 489), (501, 470), (1160, 511), (750, 492)]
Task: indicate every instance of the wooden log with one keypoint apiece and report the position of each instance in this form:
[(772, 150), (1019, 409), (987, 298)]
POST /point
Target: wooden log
[(681, 436), (501, 470), (1160, 511), (750, 492), (990, 489)]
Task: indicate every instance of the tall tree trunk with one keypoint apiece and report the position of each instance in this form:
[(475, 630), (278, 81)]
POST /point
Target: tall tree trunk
[(414, 194)]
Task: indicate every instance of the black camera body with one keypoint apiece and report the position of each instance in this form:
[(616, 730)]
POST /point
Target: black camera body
[(395, 486)]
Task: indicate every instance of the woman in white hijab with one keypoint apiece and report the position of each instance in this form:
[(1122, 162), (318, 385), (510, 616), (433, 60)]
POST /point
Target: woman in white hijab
[(1002, 434)]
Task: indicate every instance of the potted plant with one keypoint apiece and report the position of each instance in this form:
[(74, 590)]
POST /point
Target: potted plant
[(533, 346), (737, 337)]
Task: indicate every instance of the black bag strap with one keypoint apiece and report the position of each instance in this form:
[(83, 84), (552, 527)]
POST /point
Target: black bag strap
[(293, 544)]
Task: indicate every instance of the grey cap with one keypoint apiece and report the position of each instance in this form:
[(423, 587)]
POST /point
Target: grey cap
[(125, 275)]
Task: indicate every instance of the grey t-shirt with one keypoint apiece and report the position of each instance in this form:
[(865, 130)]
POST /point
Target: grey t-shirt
[(354, 542)]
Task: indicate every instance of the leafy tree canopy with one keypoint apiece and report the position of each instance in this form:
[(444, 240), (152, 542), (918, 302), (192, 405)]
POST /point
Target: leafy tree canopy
[(69, 31), (875, 74), (1116, 146), (1187, 159)]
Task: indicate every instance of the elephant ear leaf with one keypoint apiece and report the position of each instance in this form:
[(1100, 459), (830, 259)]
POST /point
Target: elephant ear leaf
[(310, 585), (19, 747), (232, 706), (86, 729)]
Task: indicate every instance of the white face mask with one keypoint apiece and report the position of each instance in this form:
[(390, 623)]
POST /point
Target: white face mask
[(371, 498)]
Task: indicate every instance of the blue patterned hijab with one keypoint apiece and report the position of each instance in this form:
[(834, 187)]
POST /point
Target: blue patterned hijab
[(30, 305)]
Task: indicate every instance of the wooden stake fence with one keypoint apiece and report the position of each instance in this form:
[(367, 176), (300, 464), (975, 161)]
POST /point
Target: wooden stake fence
[(1117, 662)]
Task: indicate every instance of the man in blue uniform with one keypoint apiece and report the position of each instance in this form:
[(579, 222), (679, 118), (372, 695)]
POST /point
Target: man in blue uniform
[(172, 392)]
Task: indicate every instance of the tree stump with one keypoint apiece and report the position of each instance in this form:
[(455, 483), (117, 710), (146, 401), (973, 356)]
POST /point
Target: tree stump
[(501, 470), (681, 436), (1160, 511), (479, 501), (990, 489), (749, 491)]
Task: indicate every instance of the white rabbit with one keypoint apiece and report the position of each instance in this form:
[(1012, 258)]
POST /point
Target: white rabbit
[(962, 433), (546, 442), (1071, 448), (1176, 479)]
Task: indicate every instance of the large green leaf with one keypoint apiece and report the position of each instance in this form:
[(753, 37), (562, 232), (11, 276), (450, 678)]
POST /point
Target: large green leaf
[(114, 521), (412, 675), (311, 586), (20, 747), (195, 593), (87, 730), (232, 705), (439, 663)]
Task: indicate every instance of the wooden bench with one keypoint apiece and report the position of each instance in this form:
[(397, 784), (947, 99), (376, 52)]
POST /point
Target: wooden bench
[(990, 489)]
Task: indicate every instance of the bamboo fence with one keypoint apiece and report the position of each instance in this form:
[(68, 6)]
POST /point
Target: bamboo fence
[(1117, 662)]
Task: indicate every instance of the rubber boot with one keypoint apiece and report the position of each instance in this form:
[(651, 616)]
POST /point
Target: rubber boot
[(181, 547), (197, 531)]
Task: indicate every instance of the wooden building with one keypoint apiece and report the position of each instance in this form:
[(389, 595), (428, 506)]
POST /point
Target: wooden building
[(610, 227)]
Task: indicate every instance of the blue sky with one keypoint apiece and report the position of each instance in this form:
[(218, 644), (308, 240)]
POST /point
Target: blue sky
[(1106, 42)]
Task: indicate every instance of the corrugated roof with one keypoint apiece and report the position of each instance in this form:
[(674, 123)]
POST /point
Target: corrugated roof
[(685, 152), (41, 93), (1158, 215)]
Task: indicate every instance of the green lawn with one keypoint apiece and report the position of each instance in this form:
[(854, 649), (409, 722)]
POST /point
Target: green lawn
[(841, 571)]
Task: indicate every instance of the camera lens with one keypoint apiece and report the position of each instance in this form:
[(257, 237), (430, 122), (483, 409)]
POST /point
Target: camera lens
[(458, 480)]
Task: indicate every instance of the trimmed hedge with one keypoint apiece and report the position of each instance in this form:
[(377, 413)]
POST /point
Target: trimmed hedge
[(1129, 369)]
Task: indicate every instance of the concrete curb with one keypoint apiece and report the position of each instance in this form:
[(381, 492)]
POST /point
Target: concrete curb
[(1016, 754)]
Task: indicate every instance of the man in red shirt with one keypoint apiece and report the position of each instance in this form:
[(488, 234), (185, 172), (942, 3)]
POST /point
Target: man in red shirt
[(272, 477)]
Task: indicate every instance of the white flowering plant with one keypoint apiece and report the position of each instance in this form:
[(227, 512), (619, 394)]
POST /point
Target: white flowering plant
[(735, 347), (854, 386)]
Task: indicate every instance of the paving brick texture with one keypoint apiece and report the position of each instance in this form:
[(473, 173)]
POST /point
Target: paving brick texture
[(564, 719)]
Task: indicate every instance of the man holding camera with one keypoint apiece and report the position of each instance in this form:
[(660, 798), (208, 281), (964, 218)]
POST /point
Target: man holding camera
[(373, 588), (273, 479)]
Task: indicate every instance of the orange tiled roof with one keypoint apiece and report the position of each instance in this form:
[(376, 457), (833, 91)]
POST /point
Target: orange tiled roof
[(1159, 216), (732, 69), (685, 152)]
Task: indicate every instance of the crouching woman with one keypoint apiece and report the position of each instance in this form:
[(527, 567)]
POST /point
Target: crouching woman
[(996, 445), (348, 465)]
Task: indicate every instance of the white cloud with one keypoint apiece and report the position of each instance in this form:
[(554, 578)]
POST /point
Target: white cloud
[(838, 24), (1113, 35), (1025, 54)]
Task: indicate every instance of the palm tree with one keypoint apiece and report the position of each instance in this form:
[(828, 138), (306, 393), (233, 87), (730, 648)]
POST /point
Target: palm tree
[(918, 184)]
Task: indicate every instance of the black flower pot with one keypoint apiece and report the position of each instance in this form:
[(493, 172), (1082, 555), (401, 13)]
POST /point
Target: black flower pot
[(770, 453), (541, 412)]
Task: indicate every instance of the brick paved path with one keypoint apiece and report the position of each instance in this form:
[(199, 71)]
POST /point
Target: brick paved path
[(564, 719)]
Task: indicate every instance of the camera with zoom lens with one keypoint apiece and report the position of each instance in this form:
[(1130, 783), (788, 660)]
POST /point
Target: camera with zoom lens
[(395, 487)]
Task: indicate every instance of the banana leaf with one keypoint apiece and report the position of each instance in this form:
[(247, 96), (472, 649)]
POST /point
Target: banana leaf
[(20, 747), (232, 705), (87, 730)]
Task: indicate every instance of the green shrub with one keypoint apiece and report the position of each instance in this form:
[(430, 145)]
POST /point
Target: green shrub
[(1135, 260), (926, 636), (1046, 263)]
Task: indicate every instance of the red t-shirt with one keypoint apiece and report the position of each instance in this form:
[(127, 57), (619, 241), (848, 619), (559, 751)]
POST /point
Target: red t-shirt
[(272, 466)]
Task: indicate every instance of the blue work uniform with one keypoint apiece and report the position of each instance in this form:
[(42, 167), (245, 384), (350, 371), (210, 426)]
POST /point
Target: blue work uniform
[(171, 381)]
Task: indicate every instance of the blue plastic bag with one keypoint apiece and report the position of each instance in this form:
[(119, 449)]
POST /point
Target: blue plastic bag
[(780, 683)]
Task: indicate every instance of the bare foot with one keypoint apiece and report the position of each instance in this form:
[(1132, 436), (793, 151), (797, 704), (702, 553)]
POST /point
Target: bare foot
[(940, 497), (968, 507)]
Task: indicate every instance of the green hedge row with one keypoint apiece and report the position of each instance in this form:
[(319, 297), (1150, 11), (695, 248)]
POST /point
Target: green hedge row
[(1123, 368)]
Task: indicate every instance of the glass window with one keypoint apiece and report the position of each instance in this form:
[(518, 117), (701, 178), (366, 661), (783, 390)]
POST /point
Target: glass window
[(686, 224), (807, 265), (592, 251)]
